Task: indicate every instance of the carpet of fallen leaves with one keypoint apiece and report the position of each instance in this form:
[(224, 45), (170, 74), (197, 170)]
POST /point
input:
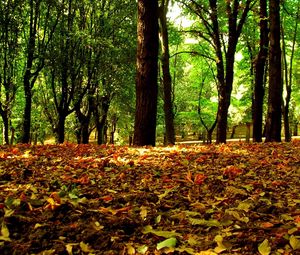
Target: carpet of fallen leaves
[(84, 199)]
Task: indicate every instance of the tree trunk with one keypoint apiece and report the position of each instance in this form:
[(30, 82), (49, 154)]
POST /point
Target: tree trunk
[(260, 71), (61, 128), (27, 109), (147, 71), (100, 119), (167, 81), (233, 132), (5, 130), (273, 123), (222, 115), (289, 77)]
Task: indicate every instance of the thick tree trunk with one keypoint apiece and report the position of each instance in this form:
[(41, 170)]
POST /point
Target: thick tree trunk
[(61, 128), (260, 71), (167, 81), (100, 119), (273, 123), (147, 71)]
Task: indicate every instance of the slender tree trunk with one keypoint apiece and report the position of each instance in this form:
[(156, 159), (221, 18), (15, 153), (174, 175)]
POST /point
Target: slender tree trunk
[(5, 127), (260, 71), (147, 71), (289, 77), (273, 123), (167, 81), (27, 109)]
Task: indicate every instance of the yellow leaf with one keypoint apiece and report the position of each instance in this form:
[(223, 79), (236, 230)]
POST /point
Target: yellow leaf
[(264, 248), (294, 242), (69, 248), (85, 247), (208, 252), (130, 249), (4, 233), (143, 212), (221, 247)]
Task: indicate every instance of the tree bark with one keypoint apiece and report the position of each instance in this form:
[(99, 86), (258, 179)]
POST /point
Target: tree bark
[(147, 71), (34, 15), (100, 119), (289, 76), (5, 120), (260, 71), (61, 128), (273, 123), (167, 81)]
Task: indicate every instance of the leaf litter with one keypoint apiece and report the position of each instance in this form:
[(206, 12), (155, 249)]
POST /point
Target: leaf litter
[(85, 199)]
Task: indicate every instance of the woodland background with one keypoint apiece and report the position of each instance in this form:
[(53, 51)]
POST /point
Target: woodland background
[(68, 68)]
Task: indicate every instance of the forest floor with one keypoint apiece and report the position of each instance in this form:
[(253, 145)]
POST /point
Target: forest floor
[(84, 199)]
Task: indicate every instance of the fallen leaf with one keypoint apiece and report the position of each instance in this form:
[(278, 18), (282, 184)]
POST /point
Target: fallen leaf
[(264, 248), (168, 243)]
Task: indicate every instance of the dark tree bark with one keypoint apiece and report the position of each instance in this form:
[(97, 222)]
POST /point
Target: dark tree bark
[(167, 81), (260, 71), (9, 48), (100, 114), (28, 79), (147, 71), (35, 53), (273, 123)]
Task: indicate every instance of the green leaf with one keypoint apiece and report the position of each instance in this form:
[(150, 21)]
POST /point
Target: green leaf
[(142, 249), (162, 233), (245, 206), (208, 223), (168, 243), (294, 242), (264, 248)]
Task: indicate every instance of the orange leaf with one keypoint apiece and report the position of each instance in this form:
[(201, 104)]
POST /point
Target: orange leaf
[(267, 225), (199, 179), (107, 198)]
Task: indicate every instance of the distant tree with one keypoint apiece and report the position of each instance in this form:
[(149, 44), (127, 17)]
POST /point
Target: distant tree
[(289, 33), (10, 29), (216, 26), (146, 81), (260, 73), (166, 75), (273, 122), (42, 21)]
